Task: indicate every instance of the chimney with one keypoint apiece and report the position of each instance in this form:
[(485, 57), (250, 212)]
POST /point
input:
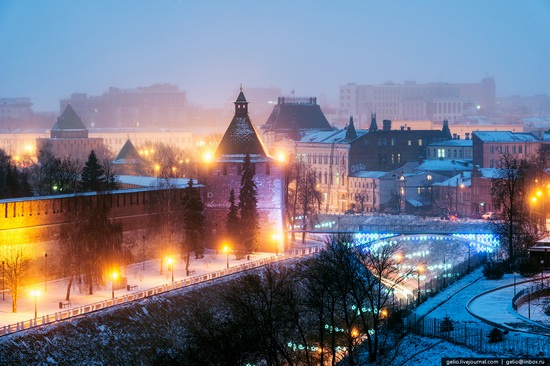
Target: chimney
[(386, 125), (454, 136), (467, 135)]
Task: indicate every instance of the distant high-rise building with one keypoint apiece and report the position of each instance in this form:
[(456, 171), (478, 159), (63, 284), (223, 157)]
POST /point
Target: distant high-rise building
[(412, 101), (159, 105), (14, 112)]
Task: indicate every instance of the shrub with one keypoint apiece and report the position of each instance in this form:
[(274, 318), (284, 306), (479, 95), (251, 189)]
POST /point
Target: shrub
[(493, 270), (495, 335), (447, 325), (527, 267)]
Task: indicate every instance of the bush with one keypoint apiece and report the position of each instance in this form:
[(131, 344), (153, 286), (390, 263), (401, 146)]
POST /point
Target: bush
[(527, 267), (447, 325), (493, 270), (495, 335)]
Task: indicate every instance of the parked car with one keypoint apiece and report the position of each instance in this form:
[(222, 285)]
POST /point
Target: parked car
[(476, 216), (489, 215)]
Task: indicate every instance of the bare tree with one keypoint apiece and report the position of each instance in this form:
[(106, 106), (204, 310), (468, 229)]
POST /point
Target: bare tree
[(303, 200), (510, 198), (17, 264)]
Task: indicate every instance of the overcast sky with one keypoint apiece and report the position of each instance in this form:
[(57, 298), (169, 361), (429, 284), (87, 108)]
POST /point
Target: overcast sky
[(50, 49)]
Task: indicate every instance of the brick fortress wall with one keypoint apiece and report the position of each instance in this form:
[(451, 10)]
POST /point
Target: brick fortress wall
[(37, 222), (220, 178)]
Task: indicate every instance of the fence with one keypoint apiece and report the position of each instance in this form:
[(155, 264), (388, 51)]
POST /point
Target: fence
[(86, 309), (476, 338), (433, 286), (528, 294)]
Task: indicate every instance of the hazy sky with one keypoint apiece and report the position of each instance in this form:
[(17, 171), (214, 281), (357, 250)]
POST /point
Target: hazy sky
[(50, 49)]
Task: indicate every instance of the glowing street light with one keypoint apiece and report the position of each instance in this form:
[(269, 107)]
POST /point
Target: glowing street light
[(419, 270), (46, 272), (35, 294), (114, 276), (170, 261), (226, 250)]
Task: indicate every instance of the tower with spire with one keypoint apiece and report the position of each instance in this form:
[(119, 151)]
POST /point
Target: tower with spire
[(223, 173), (373, 126)]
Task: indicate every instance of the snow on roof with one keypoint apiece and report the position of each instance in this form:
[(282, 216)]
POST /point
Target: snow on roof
[(455, 142), (536, 121), (154, 181), (329, 137), (414, 203), (463, 179), (368, 174), (505, 136), (433, 165)]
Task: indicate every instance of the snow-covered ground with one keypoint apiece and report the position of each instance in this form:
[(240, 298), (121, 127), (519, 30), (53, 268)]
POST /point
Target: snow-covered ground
[(452, 302), (142, 275), (415, 350)]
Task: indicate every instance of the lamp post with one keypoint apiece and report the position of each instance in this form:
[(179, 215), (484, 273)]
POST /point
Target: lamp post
[(45, 272), (171, 264), (514, 283), (3, 286), (419, 270), (444, 271), (114, 276), (35, 294), (541, 274), (226, 250)]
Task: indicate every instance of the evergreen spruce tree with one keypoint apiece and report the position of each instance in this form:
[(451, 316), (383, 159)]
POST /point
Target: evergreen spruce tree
[(232, 224), (93, 175), (193, 221), (248, 207)]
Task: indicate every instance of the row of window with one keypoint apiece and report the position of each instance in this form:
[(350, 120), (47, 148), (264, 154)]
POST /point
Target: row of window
[(446, 153), (384, 142), (514, 149), (325, 159)]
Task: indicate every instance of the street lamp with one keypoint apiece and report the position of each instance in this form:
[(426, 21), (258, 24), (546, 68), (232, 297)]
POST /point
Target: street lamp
[(419, 270), (114, 276), (45, 272), (171, 265), (541, 273), (514, 283), (444, 271), (226, 250), (35, 294), (3, 287)]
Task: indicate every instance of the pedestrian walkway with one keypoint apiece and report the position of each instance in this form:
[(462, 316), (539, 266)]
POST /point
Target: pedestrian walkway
[(495, 307), (44, 303)]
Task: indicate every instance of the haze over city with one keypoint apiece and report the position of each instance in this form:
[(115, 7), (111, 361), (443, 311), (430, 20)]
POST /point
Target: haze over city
[(52, 49)]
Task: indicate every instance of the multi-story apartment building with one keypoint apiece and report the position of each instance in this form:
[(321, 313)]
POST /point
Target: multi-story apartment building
[(159, 105), (411, 101), (15, 109), (489, 146), (450, 150)]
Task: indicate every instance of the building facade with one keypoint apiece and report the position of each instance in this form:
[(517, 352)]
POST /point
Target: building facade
[(412, 101), (159, 105)]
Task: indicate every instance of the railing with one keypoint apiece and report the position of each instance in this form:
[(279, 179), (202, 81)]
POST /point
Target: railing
[(90, 308), (476, 338)]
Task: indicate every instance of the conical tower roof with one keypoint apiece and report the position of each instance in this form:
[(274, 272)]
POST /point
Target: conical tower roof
[(351, 133), (446, 129), (69, 120), (373, 125), (128, 154), (241, 137)]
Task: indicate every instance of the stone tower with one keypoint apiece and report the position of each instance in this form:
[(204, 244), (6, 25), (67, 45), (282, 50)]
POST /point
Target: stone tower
[(223, 173)]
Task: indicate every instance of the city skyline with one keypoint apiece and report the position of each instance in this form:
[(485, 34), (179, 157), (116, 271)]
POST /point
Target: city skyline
[(208, 49)]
